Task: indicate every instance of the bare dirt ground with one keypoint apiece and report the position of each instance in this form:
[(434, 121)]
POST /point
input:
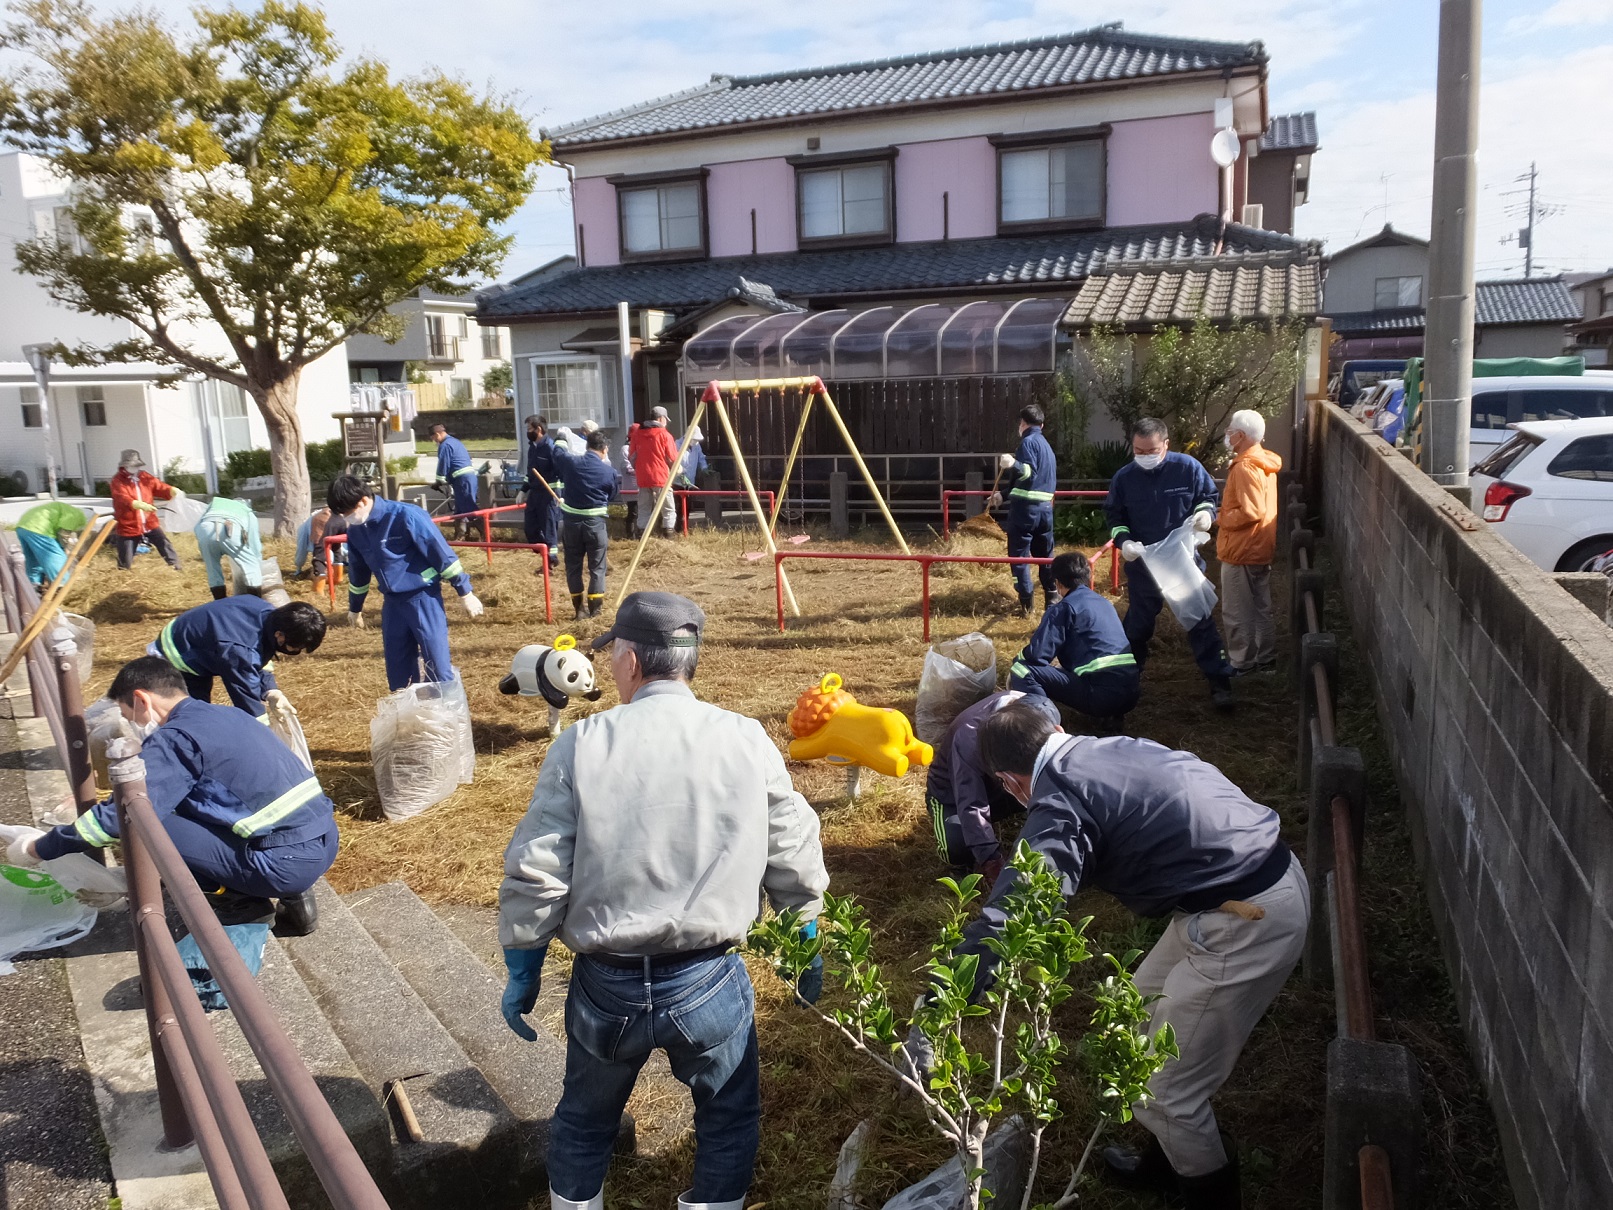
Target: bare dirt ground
[(861, 620)]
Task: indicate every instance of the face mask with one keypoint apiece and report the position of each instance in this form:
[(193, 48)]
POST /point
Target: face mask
[(1228, 440), (359, 515), (1148, 461)]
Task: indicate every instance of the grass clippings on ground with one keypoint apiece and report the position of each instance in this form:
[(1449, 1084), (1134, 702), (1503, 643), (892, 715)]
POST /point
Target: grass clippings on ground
[(861, 620)]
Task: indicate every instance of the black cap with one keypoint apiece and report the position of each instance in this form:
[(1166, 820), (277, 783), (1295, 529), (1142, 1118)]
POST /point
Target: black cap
[(654, 619)]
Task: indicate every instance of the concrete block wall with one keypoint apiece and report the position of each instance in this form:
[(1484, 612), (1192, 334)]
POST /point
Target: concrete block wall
[(1496, 690)]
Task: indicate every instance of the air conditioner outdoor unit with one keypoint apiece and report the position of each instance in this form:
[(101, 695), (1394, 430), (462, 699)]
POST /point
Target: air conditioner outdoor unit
[(1254, 215)]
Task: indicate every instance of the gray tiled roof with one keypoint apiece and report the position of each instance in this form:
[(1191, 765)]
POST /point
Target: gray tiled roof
[(1290, 132), (1272, 285), (1025, 264), (1540, 300), (1106, 54)]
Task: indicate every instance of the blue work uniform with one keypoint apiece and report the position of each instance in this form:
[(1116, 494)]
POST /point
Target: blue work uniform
[(1034, 477), (242, 810), (542, 515), (1096, 672), (410, 559), (964, 801), (231, 639), (1143, 506), (591, 484), (453, 464)]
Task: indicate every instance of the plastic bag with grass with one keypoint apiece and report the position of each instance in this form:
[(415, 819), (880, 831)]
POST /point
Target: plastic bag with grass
[(420, 744), (83, 632), (37, 913), (957, 674)]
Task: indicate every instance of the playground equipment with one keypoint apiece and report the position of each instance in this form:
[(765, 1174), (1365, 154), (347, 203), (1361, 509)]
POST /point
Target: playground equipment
[(830, 724), (556, 674), (712, 398)]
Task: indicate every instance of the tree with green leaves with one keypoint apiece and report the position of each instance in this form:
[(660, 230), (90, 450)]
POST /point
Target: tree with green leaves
[(498, 378), (1193, 378), (245, 199), (978, 1044)]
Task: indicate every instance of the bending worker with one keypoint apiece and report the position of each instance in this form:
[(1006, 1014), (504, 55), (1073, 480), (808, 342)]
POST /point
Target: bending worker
[(1033, 474), (311, 535), (1167, 835), (1148, 498), (410, 559), (229, 529), (249, 819), (1096, 672), (543, 486), (46, 531), (236, 640), (134, 492), (965, 802), (455, 473), (651, 872), (591, 484)]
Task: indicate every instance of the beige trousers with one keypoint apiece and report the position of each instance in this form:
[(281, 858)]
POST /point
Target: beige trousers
[(1217, 973), (1246, 615)]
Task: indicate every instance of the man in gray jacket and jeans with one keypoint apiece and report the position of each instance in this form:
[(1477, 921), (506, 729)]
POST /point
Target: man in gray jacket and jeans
[(654, 829), (1167, 835)]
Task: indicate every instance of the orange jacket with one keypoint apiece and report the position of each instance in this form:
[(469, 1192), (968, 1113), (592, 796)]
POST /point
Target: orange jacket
[(126, 489), (1248, 518), (653, 452)]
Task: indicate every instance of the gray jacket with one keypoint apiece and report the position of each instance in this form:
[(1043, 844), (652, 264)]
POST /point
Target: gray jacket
[(1159, 830), (655, 828)]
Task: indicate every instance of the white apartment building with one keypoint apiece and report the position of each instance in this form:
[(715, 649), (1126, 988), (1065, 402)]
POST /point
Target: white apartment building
[(442, 340)]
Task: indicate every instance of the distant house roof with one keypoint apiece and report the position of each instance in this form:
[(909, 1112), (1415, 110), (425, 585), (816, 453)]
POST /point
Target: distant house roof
[(1387, 238), (1256, 286), (1290, 132), (1026, 265), (1104, 55), (1539, 300)]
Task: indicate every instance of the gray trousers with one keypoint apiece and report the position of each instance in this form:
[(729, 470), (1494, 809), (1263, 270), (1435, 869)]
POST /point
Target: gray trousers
[(1217, 973), (646, 503), (1246, 615)]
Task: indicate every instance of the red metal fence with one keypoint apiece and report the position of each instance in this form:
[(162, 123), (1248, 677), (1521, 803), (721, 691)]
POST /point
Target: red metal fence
[(948, 494)]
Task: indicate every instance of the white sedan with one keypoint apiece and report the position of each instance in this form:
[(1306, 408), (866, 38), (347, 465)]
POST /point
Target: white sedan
[(1548, 489)]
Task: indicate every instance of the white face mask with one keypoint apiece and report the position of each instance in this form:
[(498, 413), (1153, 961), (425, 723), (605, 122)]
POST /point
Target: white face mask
[(1229, 445), (1149, 461), (360, 514)]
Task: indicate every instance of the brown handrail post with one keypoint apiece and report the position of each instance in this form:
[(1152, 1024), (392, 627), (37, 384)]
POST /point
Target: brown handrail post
[(74, 730), (1352, 938), (145, 899)]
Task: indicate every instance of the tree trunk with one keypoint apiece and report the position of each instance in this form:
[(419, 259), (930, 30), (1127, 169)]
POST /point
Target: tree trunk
[(288, 456)]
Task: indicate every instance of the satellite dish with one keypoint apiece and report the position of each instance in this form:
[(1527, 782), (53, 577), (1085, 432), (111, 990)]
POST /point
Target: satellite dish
[(1224, 147)]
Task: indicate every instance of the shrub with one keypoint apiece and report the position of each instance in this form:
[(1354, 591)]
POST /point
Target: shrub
[(248, 464), (325, 460), (185, 481)]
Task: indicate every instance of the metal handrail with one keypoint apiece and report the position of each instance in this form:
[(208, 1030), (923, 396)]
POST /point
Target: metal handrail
[(198, 1097)]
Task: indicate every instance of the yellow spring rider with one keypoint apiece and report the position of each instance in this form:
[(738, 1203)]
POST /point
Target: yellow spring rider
[(829, 724)]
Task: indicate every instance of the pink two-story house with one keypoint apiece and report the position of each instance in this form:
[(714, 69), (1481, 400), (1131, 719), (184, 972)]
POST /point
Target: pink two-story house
[(927, 219)]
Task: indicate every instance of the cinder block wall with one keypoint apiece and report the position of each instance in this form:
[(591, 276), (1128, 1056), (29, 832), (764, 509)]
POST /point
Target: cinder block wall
[(1496, 690)]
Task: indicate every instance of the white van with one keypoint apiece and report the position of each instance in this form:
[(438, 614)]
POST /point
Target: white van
[(1499, 402)]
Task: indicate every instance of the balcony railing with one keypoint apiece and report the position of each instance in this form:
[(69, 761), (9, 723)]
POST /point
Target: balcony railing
[(442, 347)]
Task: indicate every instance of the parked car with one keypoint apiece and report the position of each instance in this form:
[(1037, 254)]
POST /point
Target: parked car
[(1356, 378), (1384, 408), (1499, 403), (1548, 489)]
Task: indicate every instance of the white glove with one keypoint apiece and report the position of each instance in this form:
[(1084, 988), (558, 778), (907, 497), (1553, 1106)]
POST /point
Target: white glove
[(19, 842), (279, 704), (355, 619), (472, 604), (1200, 538), (175, 496), (1131, 551), (563, 431), (1005, 462), (995, 500), (1201, 521)]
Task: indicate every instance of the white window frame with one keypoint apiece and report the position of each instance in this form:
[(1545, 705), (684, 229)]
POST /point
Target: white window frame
[(28, 397), (89, 396), (1400, 281), (605, 408)]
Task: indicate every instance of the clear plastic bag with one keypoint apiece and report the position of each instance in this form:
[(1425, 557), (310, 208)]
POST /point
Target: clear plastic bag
[(957, 674), (180, 516), (37, 913), (83, 632), (420, 745), (288, 730), (1173, 563), (104, 722)]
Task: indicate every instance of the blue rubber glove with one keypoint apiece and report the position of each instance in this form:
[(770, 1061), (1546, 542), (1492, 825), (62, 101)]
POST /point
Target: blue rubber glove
[(809, 985), (521, 992)]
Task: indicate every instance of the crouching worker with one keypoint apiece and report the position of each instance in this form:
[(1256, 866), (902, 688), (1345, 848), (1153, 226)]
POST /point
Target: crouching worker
[(965, 801), (1167, 835), (249, 819), (236, 640), (1095, 672), (45, 532), (651, 872)]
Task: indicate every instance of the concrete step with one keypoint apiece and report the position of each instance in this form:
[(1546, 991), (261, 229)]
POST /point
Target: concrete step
[(470, 1152), (464, 994)]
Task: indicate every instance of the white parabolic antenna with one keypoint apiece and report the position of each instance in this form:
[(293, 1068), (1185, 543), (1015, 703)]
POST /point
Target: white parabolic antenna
[(1224, 147)]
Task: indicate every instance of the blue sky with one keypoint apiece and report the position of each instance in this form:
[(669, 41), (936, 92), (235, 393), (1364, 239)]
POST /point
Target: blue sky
[(1365, 66)]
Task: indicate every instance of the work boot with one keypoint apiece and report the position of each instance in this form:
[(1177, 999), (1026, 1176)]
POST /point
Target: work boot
[(596, 604), (580, 610), (1047, 599), (237, 907), (218, 590), (1218, 1190), (1026, 600), (685, 1204), (1146, 1169), (1221, 694), (556, 1202), (296, 915)]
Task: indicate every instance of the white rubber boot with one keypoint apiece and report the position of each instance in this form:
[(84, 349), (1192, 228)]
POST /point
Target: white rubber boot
[(685, 1204), (597, 1202)]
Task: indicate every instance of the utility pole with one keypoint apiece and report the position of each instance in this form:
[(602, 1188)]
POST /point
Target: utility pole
[(1529, 228), (1448, 339)]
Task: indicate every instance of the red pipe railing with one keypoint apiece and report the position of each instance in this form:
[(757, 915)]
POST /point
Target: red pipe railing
[(925, 562), (683, 495), (949, 493), (541, 549)]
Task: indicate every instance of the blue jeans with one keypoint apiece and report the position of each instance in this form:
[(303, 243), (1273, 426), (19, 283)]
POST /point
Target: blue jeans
[(702, 1013)]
